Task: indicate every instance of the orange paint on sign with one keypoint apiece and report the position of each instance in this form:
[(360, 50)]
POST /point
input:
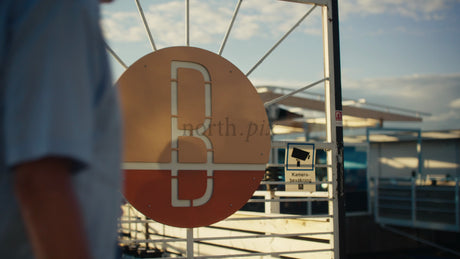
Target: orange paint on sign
[(196, 136)]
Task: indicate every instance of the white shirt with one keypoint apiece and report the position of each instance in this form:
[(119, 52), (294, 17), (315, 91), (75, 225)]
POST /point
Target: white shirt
[(56, 98)]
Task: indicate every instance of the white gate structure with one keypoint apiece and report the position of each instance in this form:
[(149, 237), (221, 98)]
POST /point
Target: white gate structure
[(269, 233)]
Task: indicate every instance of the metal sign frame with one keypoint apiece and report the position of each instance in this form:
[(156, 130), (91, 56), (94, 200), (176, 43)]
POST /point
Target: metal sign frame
[(333, 106)]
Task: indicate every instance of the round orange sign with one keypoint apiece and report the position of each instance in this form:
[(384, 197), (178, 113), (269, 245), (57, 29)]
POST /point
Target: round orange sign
[(196, 136)]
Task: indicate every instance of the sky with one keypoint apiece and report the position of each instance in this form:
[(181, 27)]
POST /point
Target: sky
[(398, 53)]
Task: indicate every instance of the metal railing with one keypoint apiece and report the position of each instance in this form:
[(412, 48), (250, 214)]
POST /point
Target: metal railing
[(241, 235), (280, 227), (409, 202)]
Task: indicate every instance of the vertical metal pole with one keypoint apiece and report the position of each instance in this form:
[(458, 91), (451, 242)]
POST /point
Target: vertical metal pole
[(268, 209), (413, 201), (419, 152), (376, 201), (306, 131), (189, 243), (147, 234), (414, 179), (330, 129), (457, 205), (187, 24), (271, 207), (333, 108), (129, 223), (368, 178), (339, 129), (163, 244)]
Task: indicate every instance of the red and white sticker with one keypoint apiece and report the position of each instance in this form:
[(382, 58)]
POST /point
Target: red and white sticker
[(338, 119)]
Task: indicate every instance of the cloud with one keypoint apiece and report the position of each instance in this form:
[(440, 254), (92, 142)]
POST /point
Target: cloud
[(274, 18), (455, 104), (263, 19), (209, 21), (438, 95), (416, 10), (123, 26), (411, 86)]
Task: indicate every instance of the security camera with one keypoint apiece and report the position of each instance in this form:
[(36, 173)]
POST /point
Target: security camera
[(300, 154)]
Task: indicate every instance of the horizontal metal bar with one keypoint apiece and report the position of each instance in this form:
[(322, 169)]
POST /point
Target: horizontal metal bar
[(169, 239), (418, 224), (246, 218), (263, 254), (422, 188), (288, 183), (396, 187), (261, 236), (396, 207), (130, 230), (283, 165), (126, 221), (422, 209), (323, 194), (438, 201), (165, 240), (280, 217), (255, 254), (288, 200), (393, 198), (318, 145)]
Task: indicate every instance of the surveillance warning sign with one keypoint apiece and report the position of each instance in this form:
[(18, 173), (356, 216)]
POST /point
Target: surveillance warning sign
[(300, 167)]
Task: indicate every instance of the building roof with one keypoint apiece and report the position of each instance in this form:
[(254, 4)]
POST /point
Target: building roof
[(310, 110)]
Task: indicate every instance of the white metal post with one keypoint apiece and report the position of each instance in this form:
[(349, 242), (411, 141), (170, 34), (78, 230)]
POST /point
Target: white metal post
[(187, 23), (330, 126), (189, 243)]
